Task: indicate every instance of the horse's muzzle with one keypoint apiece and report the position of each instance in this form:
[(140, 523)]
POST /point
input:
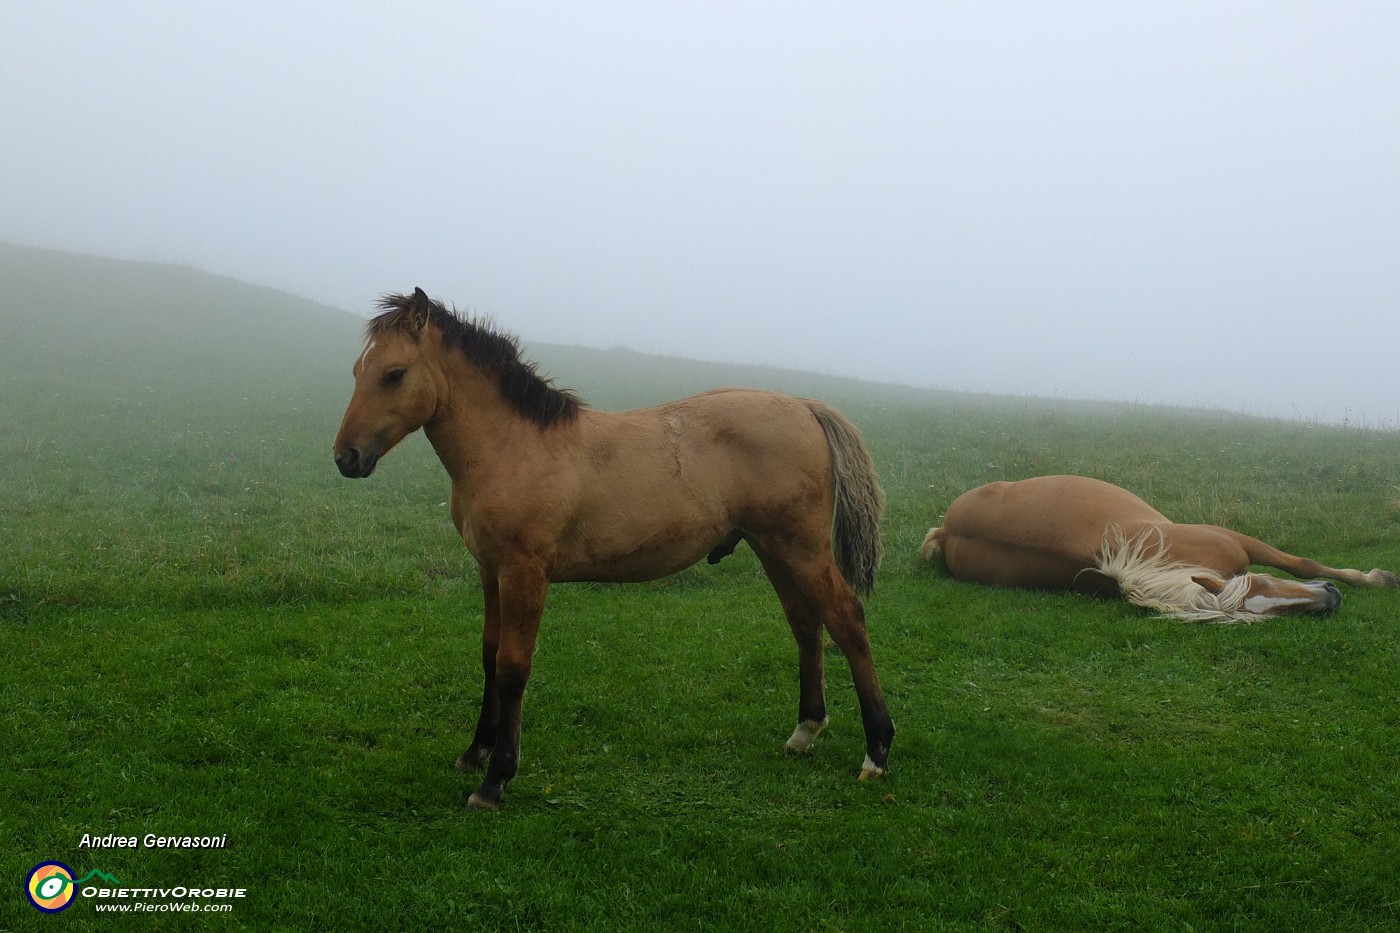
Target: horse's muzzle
[(1332, 601), (355, 464)]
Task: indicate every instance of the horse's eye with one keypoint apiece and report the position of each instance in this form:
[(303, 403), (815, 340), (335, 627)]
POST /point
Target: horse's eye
[(394, 376)]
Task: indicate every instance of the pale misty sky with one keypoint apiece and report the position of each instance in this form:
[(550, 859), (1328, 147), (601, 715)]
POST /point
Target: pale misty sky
[(1178, 202)]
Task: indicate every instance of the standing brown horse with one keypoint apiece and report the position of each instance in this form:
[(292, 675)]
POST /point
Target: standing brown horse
[(1073, 532), (546, 490)]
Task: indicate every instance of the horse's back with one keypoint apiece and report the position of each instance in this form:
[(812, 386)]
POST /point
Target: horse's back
[(1057, 504), (725, 436)]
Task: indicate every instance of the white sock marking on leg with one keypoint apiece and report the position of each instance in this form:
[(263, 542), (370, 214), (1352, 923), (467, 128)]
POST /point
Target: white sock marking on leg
[(804, 734)]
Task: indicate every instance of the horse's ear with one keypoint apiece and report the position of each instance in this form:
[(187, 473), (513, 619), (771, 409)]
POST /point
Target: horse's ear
[(419, 310), (1211, 583)]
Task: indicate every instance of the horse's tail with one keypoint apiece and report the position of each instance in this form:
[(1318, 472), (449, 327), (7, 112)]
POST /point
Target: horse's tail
[(855, 530), (933, 544)]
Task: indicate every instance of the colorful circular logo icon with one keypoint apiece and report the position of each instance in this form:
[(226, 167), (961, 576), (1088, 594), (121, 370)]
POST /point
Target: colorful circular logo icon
[(50, 887)]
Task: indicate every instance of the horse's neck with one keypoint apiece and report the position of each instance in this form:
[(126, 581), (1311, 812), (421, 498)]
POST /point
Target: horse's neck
[(474, 426)]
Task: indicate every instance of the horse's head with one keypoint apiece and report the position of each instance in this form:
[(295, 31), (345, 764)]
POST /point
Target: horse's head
[(1260, 595), (398, 381)]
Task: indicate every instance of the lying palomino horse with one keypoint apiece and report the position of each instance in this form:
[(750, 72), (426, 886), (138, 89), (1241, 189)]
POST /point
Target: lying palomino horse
[(1077, 533), (546, 490)]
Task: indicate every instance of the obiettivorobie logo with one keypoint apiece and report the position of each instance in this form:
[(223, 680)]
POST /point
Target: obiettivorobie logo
[(51, 888), (51, 885)]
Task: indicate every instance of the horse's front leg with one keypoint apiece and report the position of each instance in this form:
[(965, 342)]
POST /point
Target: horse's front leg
[(521, 593), (485, 737)]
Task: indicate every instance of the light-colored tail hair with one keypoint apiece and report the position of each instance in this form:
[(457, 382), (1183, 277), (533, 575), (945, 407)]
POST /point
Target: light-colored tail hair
[(1156, 581), (855, 530), (933, 544)]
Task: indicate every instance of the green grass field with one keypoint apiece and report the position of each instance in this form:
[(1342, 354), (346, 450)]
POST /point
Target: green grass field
[(208, 632)]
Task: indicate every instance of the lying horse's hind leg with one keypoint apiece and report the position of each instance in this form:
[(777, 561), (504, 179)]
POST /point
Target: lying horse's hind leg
[(817, 596), (485, 737), (1305, 568)]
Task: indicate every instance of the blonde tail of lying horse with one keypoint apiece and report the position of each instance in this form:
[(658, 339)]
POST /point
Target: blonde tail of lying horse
[(859, 500)]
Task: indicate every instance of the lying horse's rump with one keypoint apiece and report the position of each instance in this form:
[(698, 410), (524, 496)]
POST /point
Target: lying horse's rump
[(1077, 533)]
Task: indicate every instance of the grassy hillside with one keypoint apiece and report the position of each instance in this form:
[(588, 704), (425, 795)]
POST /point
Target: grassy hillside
[(209, 631)]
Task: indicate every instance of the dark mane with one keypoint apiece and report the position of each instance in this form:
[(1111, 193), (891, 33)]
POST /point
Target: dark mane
[(493, 352)]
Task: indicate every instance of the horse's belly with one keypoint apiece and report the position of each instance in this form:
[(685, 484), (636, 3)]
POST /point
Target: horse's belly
[(612, 559), (1002, 563)]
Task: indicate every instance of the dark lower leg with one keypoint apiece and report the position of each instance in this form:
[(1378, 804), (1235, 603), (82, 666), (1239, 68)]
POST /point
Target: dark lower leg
[(811, 701), (486, 725), (848, 631), (522, 590), (505, 755)]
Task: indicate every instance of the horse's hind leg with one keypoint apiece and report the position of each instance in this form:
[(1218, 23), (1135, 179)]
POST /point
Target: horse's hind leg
[(845, 620), (815, 595), (806, 626), (1304, 567)]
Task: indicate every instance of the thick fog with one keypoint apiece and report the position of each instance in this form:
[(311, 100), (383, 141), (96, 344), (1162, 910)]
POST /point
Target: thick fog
[(1188, 203)]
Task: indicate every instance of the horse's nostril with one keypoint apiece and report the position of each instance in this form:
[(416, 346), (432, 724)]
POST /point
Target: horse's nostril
[(348, 461), (355, 463)]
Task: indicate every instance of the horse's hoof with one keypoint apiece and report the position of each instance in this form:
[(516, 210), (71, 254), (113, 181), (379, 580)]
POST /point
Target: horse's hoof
[(805, 734), (477, 802), (870, 771)]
